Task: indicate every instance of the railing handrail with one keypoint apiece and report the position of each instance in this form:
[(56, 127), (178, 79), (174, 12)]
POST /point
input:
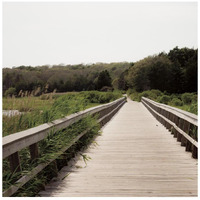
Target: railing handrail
[(17, 141), (184, 127), (190, 117)]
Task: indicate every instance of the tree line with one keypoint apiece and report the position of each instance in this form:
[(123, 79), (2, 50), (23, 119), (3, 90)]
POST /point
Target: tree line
[(45, 79), (173, 72)]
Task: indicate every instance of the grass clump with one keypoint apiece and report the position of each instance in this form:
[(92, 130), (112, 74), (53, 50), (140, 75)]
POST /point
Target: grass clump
[(26, 104)]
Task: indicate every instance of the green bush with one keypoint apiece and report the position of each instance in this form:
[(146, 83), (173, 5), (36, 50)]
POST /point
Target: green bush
[(151, 94), (143, 94), (194, 98), (194, 108), (186, 98), (134, 96), (186, 101), (176, 102), (131, 91), (101, 97), (10, 92), (164, 99), (156, 93)]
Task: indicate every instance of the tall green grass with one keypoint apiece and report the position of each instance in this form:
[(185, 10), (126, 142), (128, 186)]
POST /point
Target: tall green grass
[(49, 148), (38, 110)]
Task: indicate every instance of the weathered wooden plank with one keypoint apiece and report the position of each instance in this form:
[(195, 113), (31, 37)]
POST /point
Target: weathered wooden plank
[(134, 157)]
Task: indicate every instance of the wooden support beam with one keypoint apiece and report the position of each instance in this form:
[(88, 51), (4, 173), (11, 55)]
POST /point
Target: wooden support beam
[(188, 146), (14, 162), (194, 152), (186, 126), (34, 151)]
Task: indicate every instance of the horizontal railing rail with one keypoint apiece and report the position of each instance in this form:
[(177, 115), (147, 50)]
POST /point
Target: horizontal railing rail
[(182, 124), (29, 138)]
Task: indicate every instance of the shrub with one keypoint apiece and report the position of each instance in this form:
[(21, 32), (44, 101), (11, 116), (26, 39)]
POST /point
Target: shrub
[(134, 96), (176, 102), (157, 93), (130, 91), (10, 92), (194, 98), (100, 97), (164, 99), (194, 108), (186, 98), (143, 94), (92, 96)]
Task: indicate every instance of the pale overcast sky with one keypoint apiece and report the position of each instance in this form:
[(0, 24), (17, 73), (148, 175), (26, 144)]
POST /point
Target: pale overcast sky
[(71, 33)]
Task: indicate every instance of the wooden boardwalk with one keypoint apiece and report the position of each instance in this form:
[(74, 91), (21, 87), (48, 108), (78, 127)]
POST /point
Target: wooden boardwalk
[(135, 156)]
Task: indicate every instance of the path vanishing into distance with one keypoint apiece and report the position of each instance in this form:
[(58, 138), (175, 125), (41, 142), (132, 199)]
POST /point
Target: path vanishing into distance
[(135, 156)]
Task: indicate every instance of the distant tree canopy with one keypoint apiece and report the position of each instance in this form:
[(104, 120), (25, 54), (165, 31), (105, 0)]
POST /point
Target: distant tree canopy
[(62, 78), (104, 79), (175, 72)]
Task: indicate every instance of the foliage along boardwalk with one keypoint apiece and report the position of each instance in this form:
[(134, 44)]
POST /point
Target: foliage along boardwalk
[(135, 156)]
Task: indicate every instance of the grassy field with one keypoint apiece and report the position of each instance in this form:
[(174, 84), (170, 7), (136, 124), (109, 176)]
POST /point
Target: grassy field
[(27, 104), (185, 101), (46, 108)]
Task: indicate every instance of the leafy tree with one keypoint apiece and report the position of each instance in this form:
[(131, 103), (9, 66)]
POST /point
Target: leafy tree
[(185, 69), (104, 79), (122, 83), (159, 74), (175, 72)]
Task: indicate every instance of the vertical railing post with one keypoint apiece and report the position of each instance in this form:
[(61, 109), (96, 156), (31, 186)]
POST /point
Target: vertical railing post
[(176, 120), (180, 125), (194, 152), (15, 162), (34, 151), (172, 118), (188, 143), (186, 125)]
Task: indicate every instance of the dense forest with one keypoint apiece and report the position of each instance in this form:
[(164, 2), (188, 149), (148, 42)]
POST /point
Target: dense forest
[(45, 79), (173, 72)]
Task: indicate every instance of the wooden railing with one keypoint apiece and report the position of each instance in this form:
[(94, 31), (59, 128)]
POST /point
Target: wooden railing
[(13, 143), (182, 124)]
